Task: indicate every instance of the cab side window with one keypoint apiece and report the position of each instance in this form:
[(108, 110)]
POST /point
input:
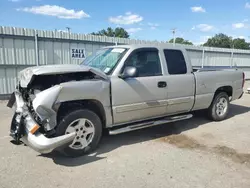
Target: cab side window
[(147, 63), (175, 62)]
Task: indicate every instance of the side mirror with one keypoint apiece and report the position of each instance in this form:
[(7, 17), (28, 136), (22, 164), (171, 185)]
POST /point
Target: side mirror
[(129, 72)]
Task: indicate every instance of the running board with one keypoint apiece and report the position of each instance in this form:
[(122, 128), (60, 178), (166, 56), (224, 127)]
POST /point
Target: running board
[(149, 124)]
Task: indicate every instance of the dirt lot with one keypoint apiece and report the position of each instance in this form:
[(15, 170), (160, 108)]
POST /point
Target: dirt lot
[(192, 153)]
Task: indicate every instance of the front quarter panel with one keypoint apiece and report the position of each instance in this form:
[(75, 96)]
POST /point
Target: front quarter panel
[(43, 105), (88, 90)]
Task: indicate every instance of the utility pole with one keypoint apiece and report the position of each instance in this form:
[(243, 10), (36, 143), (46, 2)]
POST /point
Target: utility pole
[(232, 53), (232, 43), (68, 28), (114, 38), (174, 32), (248, 42)]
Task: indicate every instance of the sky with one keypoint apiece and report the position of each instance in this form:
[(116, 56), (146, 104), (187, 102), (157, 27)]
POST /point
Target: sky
[(194, 20)]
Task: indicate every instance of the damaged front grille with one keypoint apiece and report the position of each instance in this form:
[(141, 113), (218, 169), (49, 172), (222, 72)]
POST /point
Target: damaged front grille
[(28, 95)]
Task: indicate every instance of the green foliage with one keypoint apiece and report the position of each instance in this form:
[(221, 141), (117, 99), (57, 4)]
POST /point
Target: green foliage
[(223, 41), (240, 44), (117, 32), (219, 40), (179, 40)]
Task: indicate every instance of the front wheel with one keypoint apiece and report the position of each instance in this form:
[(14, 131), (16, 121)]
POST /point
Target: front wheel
[(88, 128), (219, 108)]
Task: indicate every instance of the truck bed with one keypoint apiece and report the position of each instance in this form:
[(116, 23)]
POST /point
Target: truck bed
[(208, 81)]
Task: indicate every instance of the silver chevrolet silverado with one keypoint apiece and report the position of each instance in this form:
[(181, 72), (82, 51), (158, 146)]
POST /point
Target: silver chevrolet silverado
[(120, 89)]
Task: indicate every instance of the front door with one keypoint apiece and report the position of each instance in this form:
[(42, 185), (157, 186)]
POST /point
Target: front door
[(141, 97)]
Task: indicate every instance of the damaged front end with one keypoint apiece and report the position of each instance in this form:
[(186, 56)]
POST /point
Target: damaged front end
[(30, 128), (35, 115)]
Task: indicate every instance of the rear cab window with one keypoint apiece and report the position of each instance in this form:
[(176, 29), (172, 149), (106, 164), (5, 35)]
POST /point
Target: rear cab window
[(175, 60)]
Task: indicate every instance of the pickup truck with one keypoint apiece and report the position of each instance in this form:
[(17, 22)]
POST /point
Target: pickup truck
[(119, 88)]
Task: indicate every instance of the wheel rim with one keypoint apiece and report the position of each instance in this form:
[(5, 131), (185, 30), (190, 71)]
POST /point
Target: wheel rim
[(85, 132), (221, 106)]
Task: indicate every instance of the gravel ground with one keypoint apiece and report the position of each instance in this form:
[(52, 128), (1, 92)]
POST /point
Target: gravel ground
[(191, 153)]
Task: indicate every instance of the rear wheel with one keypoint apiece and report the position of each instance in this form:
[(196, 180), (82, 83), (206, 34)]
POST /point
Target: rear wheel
[(219, 108), (88, 128)]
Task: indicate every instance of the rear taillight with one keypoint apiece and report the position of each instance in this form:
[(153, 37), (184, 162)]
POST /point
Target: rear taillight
[(243, 81)]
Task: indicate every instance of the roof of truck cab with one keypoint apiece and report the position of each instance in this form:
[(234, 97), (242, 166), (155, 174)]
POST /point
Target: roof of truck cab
[(134, 46)]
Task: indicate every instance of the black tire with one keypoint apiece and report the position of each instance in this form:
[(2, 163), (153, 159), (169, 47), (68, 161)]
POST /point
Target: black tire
[(212, 114), (13, 122), (13, 133), (68, 119)]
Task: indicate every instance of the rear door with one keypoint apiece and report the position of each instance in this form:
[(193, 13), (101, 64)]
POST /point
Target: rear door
[(180, 82), (144, 96)]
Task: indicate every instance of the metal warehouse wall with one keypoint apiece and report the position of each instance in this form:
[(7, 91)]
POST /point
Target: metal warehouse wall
[(21, 48)]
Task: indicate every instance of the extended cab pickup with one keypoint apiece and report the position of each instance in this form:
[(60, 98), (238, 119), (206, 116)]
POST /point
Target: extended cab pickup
[(119, 88)]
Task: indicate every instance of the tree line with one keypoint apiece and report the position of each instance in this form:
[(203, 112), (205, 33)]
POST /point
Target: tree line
[(219, 40)]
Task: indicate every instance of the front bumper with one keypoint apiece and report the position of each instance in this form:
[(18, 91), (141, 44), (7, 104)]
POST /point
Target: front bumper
[(36, 141)]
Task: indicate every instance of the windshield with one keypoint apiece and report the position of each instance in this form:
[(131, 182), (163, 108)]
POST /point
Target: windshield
[(105, 59)]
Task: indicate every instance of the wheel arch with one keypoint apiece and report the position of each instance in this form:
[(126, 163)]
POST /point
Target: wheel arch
[(227, 89), (91, 104)]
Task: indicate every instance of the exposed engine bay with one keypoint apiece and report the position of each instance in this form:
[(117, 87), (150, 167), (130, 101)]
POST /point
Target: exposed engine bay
[(40, 83)]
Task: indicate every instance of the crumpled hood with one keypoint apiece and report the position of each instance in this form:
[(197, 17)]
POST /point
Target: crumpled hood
[(26, 75)]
